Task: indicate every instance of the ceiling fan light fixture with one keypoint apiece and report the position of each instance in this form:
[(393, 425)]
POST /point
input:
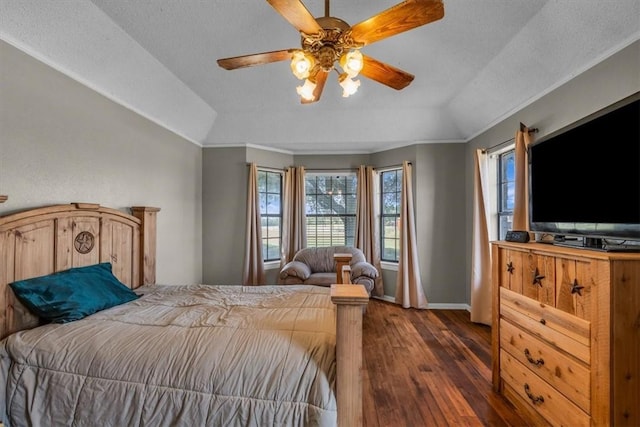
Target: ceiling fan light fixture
[(352, 62), (349, 86), (301, 64), (327, 41), (306, 90)]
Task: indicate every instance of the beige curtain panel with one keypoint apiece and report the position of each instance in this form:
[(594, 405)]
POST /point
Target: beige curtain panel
[(481, 250), (253, 270), (367, 229), (521, 196), (409, 291), (294, 223)]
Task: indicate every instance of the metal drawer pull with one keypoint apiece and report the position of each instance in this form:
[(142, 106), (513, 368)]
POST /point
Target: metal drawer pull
[(531, 360), (534, 399)]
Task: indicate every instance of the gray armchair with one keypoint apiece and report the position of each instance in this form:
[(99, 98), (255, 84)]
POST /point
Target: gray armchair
[(317, 266)]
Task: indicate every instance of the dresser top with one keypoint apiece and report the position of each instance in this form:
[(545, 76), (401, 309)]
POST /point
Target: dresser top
[(560, 250)]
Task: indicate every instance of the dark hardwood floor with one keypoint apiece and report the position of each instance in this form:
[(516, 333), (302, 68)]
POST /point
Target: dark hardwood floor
[(429, 368)]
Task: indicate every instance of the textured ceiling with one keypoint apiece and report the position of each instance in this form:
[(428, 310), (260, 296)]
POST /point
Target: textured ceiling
[(483, 61)]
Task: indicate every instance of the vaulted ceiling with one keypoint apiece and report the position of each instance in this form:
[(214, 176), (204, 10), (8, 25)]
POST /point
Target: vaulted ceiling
[(480, 63)]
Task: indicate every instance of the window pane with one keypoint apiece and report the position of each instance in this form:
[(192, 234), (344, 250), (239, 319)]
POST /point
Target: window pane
[(507, 190), (262, 181), (311, 205), (274, 226), (323, 184), (273, 204), (389, 203), (390, 228), (272, 249), (352, 205), (339, 183), (388, 181), (509, 166), (350, 230), (309, 184), (263, 202), (273, 183), (506, 223), (324, 204), (352, 184), (399, 180)]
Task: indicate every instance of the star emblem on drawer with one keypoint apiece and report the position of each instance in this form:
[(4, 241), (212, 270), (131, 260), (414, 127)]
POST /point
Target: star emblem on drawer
[(537, 278), (576, 288), (510, 267)]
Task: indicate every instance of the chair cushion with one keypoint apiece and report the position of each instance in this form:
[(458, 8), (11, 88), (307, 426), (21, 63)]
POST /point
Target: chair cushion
[(321, 279)]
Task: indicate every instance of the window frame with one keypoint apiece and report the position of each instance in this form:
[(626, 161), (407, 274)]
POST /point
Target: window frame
[(398, 196), (502, 192), (269, 215), (311, 212)]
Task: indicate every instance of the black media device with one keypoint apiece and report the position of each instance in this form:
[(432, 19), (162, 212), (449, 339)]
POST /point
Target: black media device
[(584, 180), (517, 236)]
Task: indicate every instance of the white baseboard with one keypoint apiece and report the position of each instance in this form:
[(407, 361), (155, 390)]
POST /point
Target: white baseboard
[(431, 305), (449, 306)]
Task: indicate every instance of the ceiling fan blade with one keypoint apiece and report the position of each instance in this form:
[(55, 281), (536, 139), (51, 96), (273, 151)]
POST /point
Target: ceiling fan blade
[(397, 19), (297, 14), (385, 73), (255, 59), (321, 79)]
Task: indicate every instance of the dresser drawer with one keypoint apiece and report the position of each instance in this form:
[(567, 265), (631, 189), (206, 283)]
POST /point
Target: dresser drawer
[(561, 330), (564, 373), (546, 400)]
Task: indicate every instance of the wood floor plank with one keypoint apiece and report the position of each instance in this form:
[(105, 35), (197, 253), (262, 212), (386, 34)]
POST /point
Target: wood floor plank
[(429, 368)]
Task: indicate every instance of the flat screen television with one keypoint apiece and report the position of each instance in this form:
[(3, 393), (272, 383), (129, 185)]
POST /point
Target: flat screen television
[(584, 180)]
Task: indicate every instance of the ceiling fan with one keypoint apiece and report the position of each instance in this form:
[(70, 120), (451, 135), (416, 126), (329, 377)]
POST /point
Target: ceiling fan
[(328, 40)]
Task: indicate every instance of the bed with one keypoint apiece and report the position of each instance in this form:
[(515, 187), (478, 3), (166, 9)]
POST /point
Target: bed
[(173, 355)]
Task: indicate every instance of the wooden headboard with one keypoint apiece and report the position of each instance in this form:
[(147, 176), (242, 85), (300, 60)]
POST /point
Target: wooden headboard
[(45, 240)]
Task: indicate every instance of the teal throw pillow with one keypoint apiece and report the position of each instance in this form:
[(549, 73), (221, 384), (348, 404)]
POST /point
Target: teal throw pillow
[(72, 294)]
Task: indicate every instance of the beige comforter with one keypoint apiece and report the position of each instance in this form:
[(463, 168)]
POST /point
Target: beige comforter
[(180, 356)]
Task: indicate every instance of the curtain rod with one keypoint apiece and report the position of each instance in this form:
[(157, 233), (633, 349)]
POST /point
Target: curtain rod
[(522, 128), (391, 166), (332, 169), (264, 168), (355, 169)]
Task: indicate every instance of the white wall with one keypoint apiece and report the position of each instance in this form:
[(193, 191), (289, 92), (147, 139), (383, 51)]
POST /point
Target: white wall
[(61, 142)]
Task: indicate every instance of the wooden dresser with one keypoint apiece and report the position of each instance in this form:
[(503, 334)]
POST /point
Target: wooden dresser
[(566, 333)]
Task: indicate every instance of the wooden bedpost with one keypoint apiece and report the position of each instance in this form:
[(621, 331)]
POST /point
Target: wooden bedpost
[(147, 216), (351, 300), (341, 261), (346, 275)]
